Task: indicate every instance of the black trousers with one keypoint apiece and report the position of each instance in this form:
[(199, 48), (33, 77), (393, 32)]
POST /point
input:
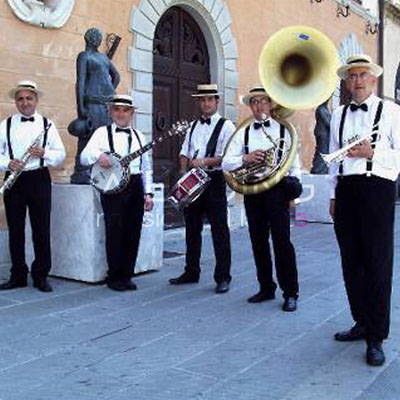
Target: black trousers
[(31, 191), (213, 204), (268, 214), (123, 217), (364, 221)]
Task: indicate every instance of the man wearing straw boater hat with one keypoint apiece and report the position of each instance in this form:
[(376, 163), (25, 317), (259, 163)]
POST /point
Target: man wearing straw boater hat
[(267, 212), (32, 189), (203, 147), (362, 202), (123, 212)]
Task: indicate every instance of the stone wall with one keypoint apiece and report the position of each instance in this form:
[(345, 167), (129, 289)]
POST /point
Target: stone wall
[(48, 56)]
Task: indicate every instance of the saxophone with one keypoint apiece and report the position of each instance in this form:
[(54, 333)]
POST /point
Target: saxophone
[(24, 160)]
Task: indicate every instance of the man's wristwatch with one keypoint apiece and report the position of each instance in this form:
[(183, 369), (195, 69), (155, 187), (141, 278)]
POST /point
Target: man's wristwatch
[(149, 194)]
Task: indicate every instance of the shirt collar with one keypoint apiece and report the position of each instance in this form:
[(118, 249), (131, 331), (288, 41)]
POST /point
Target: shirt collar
[(115, 126), (35, 115), (368, 101), (213, 117)]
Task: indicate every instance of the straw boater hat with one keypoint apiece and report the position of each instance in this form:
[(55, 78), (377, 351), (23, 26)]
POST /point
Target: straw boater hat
[(256, 90), (122, 100), (359, 61), (24, 85), (208, 89)]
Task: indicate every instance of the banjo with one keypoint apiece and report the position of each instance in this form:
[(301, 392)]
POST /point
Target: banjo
[(115, 178)]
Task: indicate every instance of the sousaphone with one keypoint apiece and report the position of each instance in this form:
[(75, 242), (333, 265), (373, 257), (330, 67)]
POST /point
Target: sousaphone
[(297, 68)]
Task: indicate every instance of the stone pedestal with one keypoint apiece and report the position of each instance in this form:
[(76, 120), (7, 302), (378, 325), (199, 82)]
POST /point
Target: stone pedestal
[(77, 235), (313, 205)]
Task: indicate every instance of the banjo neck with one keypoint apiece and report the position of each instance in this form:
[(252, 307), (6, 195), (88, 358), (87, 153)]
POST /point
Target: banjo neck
[(125, 161)]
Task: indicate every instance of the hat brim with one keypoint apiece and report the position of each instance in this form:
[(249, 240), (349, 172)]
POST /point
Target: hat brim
[(206, 94), (122, 105), (13, 92), (376, 69)]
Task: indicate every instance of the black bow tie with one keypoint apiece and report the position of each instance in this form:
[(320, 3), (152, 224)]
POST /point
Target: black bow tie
[(25, 119), (355, 107), (205, 121), (258, 125), (126, 130)]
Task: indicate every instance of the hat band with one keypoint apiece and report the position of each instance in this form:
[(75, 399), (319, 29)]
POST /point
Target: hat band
[(257, 90), (26, 87), (358, 60), (124, 101), (207, 91)]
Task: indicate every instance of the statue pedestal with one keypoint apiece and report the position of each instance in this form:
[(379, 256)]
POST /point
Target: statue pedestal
[(313, 204), (77, 235)]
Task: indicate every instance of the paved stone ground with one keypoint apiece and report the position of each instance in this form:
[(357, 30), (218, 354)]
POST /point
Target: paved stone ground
[(86, 342)]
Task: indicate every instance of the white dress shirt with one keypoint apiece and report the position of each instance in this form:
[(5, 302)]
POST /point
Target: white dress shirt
[(202, 134), (257, 141), (22, 135), (386, 159), (98, 144)]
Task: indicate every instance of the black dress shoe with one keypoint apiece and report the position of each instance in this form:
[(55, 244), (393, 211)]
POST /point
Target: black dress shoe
[(375, 354), (117, 286), (43, 286), (129, 285), (290, 304), (357, 332), (13, 284), (184, 278), (260, 297), (222, 287)]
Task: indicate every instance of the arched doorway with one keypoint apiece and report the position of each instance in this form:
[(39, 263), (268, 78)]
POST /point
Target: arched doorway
[(180, 62)]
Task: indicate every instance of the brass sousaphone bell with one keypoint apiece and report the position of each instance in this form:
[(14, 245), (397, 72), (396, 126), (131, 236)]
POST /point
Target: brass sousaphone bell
[(297, 68)]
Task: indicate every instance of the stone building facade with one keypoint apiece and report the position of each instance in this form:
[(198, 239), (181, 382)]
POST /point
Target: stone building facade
[(232, 32)]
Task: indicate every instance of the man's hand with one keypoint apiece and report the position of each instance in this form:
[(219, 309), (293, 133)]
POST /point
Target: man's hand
[(15, 165), (256, 156), (36, 151), (332, 207), (197, 162), (362, 150), (148, 202), (105, 161)]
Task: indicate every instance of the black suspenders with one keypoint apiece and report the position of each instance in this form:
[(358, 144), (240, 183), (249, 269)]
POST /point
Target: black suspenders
[(341, 128), (10, 151), (212, 143), (374, 136), (281, 142), (111, 142)]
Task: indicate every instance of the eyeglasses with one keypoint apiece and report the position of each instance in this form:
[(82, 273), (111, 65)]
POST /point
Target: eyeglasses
[(263, 101), (362, 76)]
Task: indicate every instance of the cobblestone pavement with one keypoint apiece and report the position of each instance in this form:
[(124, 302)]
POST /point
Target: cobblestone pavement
[(85, 342)]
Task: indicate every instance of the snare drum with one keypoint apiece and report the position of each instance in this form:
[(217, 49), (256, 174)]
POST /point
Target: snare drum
[(188, 188)]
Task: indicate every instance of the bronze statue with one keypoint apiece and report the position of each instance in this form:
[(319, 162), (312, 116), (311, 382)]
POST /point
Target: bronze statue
[(322, 135), (97, 79)]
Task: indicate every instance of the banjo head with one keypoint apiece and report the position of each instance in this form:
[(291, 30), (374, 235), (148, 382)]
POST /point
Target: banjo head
[(108, 180)]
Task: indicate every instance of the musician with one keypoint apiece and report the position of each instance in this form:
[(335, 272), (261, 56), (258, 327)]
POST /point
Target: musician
[(203, 147), (32, 189), (123, 212), (267, 212), (362, 203)]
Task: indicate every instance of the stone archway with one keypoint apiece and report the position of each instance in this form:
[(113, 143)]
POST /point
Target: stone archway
[(214, 19)]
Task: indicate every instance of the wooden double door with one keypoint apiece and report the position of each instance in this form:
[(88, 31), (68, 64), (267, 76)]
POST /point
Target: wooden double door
[(180, 62)]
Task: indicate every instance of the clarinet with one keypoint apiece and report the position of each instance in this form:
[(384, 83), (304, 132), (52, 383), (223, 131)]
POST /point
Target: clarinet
[(9, 182)]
